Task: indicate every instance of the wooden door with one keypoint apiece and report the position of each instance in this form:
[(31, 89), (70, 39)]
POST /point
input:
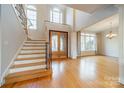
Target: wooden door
[(59, 44)]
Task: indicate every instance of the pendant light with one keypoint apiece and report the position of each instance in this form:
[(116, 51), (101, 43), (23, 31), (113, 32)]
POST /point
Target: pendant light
[(110, 35)]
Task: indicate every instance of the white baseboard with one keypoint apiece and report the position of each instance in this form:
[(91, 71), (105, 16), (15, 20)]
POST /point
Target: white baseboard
[(121, 82), (74, 57), (2, 81)]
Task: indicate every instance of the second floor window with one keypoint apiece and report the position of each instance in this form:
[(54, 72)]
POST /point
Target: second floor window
[(32, 17), (56, 15)]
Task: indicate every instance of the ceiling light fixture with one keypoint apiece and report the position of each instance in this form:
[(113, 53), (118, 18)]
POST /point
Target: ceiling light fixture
[(110, 35)]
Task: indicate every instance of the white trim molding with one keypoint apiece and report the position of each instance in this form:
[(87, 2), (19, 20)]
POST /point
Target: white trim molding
[(121, 44)]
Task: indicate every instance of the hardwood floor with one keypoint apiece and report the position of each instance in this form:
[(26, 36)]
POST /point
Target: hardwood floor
[(85, 72)]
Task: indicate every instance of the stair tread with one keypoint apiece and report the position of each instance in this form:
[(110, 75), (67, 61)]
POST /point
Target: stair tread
[(28, 68), (29, 58), (27, 64), (33, 49), (34, 42), (37, 40), (32, 53), (17, 74), (29, 61), (34, 45)]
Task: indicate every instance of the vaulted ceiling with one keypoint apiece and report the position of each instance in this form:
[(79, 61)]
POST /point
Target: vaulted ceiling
[(105, 24), (92, 14), (89, 8)]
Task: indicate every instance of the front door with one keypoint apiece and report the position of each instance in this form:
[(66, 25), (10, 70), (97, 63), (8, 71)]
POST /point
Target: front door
[(59, 44)]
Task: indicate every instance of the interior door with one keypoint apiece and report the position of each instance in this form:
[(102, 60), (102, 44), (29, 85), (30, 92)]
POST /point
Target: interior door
[(59, 44)]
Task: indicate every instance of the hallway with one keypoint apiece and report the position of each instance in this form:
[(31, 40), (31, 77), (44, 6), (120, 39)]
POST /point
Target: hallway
[(92, 71)]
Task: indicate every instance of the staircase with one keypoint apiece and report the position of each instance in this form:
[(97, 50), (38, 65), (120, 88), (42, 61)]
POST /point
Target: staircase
[(31, 62)]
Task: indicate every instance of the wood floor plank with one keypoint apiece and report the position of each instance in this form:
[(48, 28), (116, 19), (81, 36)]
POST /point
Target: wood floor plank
[(86, 72)]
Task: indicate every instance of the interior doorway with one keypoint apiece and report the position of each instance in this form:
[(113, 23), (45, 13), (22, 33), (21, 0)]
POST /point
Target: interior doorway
[(58, 44)]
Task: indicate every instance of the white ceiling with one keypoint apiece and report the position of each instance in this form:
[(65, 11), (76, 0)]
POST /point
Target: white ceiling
[(104, 24), (89, 8)]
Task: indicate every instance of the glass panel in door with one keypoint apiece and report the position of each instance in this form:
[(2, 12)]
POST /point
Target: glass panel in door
[(54, 41), (63, 45), (63, 42)]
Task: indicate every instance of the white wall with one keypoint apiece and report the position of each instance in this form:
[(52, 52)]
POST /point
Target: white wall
[(43, 14), (12, 35), (0, 44), (69, 16), (84, 19), (100, 15), (81, 19), (109, 47)]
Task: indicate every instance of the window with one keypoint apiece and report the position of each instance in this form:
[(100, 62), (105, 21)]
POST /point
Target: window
[(32, 17), (54, 42), (88, 42), (56, 15)]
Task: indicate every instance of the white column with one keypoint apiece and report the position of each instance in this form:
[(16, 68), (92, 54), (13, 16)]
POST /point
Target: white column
[(121, 44), (73, 45), (74, 38)]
